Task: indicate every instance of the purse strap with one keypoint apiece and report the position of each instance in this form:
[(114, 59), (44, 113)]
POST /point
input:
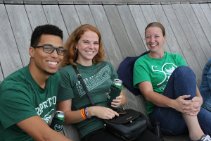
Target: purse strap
[(83, 84)]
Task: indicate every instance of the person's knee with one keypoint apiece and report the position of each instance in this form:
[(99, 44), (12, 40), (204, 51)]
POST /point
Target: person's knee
[(184, 71)]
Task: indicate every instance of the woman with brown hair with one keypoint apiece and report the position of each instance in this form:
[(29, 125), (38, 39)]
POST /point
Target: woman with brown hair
[(169, 87), (85, 51)]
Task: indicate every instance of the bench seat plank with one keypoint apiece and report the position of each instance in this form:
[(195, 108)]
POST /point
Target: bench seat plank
[(10, 57), (20, 23)]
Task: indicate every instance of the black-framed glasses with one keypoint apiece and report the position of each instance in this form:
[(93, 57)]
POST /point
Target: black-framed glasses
[(48, 48)]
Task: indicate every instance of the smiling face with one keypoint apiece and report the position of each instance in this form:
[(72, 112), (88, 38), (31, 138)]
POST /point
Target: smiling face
[(42, 62), (88, 47), (154, 39)]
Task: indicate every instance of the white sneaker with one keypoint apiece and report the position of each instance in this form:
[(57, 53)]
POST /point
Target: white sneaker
[(205, 138)]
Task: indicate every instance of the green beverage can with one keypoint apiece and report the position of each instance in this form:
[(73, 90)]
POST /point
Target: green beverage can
[(115, 90), (58, 121)]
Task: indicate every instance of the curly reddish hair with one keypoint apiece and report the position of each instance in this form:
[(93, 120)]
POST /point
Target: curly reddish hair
[(72, 54)]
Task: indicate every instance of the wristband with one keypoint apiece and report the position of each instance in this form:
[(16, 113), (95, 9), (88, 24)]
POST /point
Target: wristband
[(87, 113), (83, 115)]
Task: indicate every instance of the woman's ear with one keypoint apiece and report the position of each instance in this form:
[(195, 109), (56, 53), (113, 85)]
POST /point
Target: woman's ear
[(165, 38), (76, 46)]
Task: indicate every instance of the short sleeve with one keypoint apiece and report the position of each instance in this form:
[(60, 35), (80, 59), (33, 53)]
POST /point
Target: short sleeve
[(180, 60), (139, 74), (113, 71), (65, 90), (15, 106)]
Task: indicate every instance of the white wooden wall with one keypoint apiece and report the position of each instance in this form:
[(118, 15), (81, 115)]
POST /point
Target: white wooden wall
[(188, 28)]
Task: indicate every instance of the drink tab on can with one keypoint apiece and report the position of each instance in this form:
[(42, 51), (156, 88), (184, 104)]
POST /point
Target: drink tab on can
[(118, 83)]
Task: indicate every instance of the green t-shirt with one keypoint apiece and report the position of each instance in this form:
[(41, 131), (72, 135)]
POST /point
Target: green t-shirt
[(21, 98), (156, 71), (98, 79)]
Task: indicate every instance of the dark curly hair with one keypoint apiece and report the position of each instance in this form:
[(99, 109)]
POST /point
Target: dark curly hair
[(44, 29)]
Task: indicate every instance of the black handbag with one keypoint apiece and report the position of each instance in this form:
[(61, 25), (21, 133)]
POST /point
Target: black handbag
[(128, 125)]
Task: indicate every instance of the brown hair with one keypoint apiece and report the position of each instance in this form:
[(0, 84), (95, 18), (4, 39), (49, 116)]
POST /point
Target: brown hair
[(72, 54), (156, 24)]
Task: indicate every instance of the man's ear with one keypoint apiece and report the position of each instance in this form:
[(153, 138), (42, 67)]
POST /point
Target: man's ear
[(31, 51)]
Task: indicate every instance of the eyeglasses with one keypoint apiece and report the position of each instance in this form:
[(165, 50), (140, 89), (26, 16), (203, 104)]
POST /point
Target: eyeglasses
[(50, 49)]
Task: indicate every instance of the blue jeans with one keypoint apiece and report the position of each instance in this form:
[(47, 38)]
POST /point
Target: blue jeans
[(181, 82), (204, 117)]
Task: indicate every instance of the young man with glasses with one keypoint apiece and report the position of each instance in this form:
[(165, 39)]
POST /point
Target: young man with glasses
[(28, 96)]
